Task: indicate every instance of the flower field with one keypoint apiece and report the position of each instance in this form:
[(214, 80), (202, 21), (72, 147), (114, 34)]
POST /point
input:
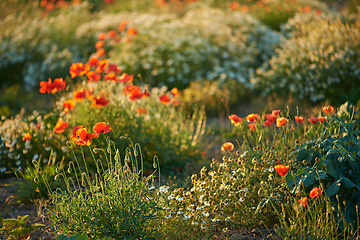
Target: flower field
[(179, 119)]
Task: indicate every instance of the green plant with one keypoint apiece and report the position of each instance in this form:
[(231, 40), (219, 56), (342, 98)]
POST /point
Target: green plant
[(334, 161), (17, 228), (77, 236), (116, 202)]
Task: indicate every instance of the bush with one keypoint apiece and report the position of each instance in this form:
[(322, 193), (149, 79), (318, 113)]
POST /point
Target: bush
[(219, 45), (319, 62)]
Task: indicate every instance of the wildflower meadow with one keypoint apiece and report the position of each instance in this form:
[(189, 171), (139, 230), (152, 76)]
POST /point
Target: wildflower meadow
[(179, 119)]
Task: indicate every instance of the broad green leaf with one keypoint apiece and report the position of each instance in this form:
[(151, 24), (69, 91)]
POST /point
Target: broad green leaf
[(333, 188), (348, 183)]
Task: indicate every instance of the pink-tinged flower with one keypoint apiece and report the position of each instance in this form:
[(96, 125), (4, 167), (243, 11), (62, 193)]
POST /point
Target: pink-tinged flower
[(60, 126), (253, 117), (275, 113), (303, 201), (328, 109), (299, 119), (227, 146), (313, 120), (235, 120), (315, 192), (281, 169), (281, 121), (165, 99), (252, 126)]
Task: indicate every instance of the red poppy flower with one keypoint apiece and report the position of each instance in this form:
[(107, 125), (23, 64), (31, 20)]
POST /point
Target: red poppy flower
[(131, 31), (303, 201), (60, 126), (79, 69), (281, 121), (281, 169), (83, 137), (101, 128), (69, 105), (252, 126), (175, 102), (299, 119), (253, 117), (165, 99), (113, 68), (328, 109), (315, 192), (50, 86), (141, 110), (270, 117), (275, 113), (125, 78), (26, 136), (235, 120), (100, 52), (122, 26), (73, 136), (268, 123), (99, 102), (227, 146), (79, 95), (102, 65), (313, 120), (175, 92), (102, 36), (322, 119), (110, 76), (112, 33), (93, 76)]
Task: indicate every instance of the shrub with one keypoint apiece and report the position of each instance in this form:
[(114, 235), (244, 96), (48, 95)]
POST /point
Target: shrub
[(319, 62), (220, 45)]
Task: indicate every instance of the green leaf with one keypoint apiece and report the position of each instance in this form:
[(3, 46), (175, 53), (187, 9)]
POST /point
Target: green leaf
[(333, 188), (348, 183), (303, 154), (308, 179)]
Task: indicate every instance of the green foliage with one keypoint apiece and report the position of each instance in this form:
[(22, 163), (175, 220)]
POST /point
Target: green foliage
[(220, 45), (117, 202), (334, 161), (77, 236), (319, 62), (17, 228)]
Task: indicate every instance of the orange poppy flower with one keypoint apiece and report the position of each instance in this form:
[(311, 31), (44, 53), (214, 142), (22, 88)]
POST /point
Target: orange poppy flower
[(315, 192), (270, 117), (234, 6), (281, 169), (131, 31), (79, 69), (227, 146), (235, 120), (165, 99), (253, 117), (141, 110), (93, 61), (99, 44), (60, 126), (102, 36), (275, 113), (313, 120), (112, 33), (175, 92), (101, 128), (322, 119), (79, 95), (299, 119), (26, 136), (122, 26), (328, 109), (303, 201), (100, 52), (252, 126), (69, 105), (93, 76), (50, 86), (89, 94), (110, 76), (306, 9), (318, 12), (244, 8), (281, 121), (73, 136), (83, 137), (175, 102), (268, 123), (102, 65), (99, 102), (125, 78)]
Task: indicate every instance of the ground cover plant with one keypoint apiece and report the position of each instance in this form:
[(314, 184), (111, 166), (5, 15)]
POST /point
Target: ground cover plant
[(178, 119)]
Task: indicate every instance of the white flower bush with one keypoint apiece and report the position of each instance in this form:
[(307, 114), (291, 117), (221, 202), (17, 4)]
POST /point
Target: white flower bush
[(320, 61)]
